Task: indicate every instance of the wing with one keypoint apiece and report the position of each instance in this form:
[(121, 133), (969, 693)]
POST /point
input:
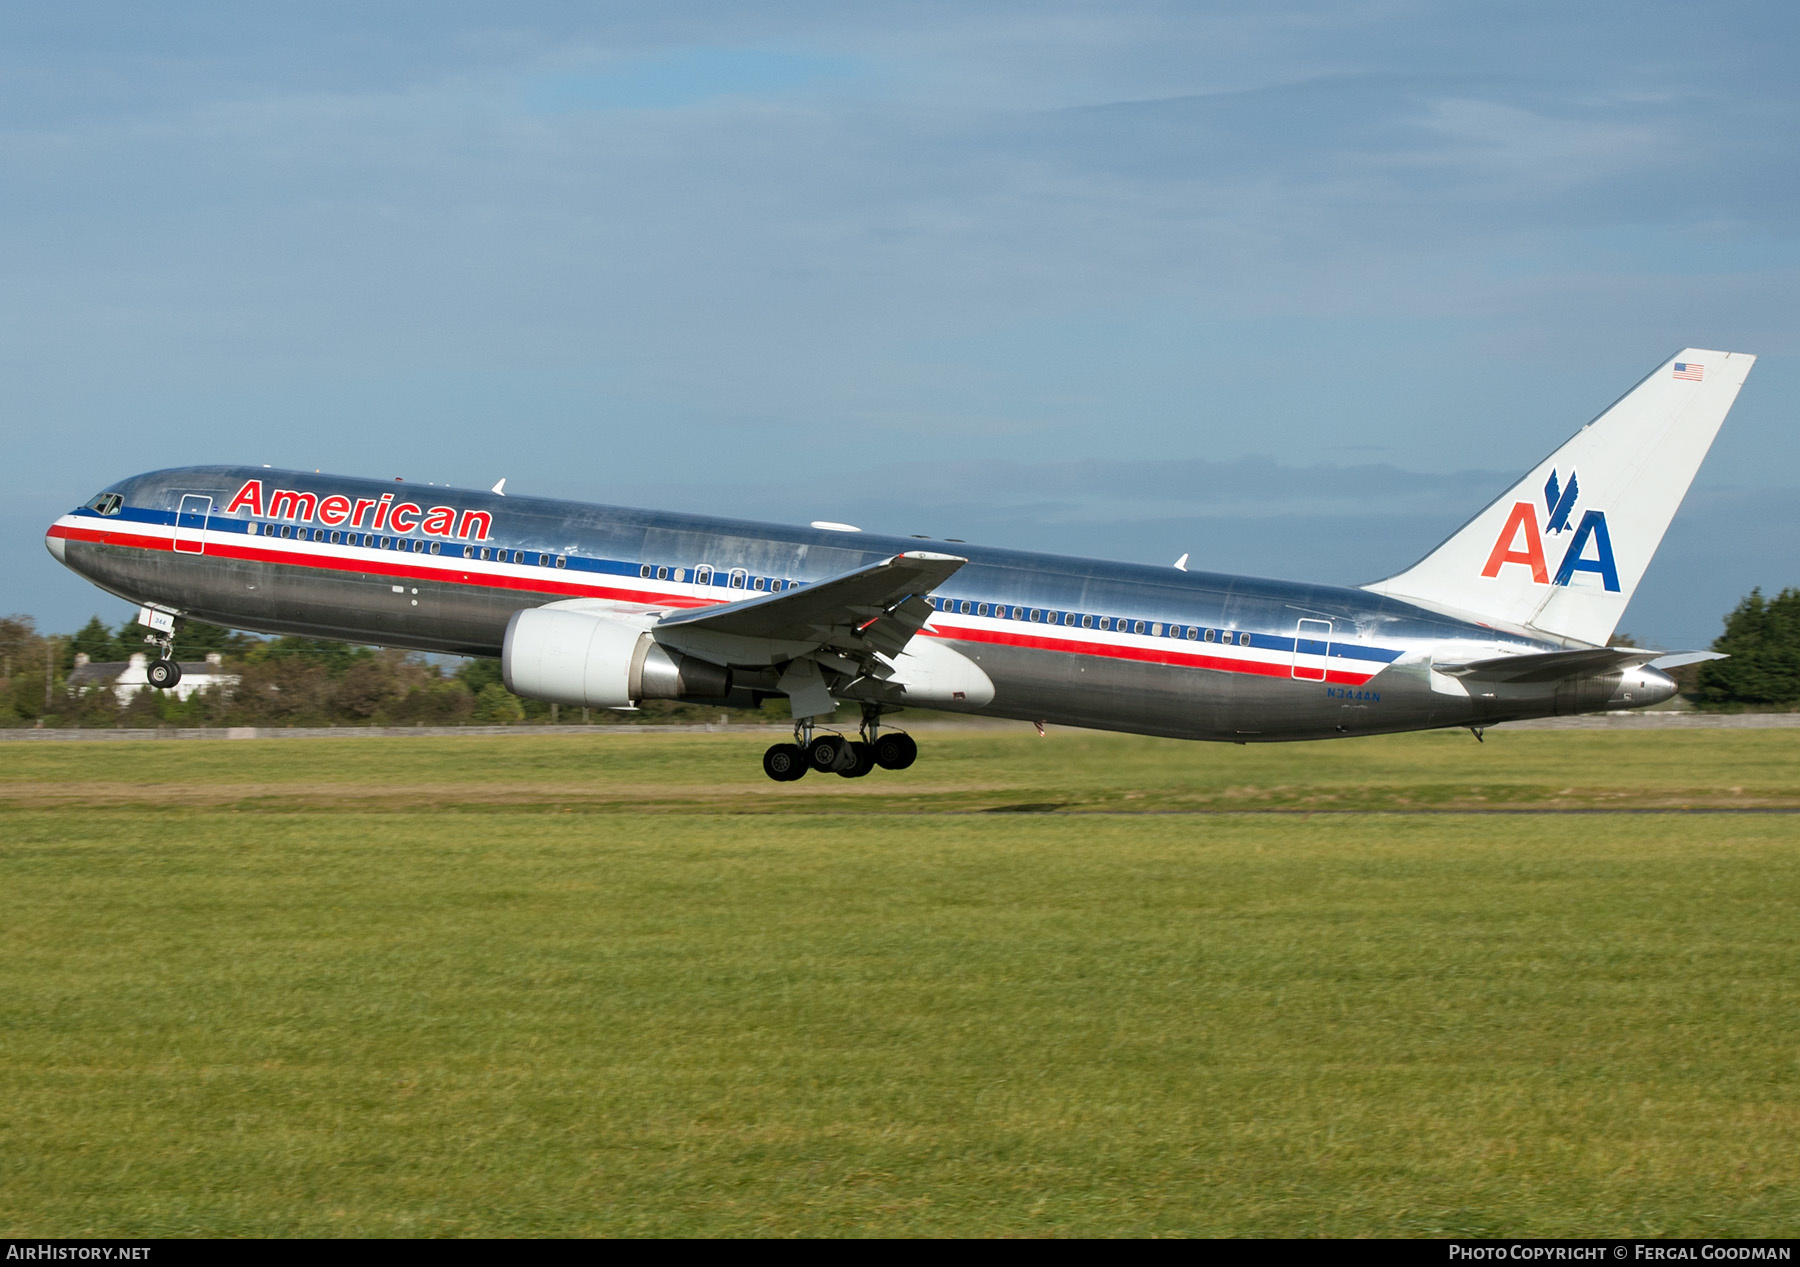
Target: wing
[(877, 608)]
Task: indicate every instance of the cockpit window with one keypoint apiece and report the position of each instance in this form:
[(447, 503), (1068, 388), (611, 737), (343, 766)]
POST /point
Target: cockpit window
[(107, 504)]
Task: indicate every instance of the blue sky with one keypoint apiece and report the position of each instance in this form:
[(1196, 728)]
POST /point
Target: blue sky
[(1291, 288)]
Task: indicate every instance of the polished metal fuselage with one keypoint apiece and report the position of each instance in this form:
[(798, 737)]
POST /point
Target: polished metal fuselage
[(1064, 640)]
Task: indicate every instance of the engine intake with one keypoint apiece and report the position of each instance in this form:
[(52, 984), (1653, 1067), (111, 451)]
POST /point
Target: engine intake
[(573, 657)]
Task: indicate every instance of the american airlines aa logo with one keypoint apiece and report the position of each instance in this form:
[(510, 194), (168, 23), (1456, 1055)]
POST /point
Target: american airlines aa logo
[(1521, 541)]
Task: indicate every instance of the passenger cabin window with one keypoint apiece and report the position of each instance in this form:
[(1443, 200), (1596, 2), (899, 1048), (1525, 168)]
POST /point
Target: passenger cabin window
[(1087, 622), (703, 575), (562, 560), (738, 577)]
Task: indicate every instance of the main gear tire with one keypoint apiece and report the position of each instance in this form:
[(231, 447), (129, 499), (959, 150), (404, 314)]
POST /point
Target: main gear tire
[(163, 674), (895, 750), (863, 760), (828, 753), (784, 762)]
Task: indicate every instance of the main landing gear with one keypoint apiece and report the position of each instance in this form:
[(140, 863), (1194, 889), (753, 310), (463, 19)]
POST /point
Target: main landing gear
[(834, 754)]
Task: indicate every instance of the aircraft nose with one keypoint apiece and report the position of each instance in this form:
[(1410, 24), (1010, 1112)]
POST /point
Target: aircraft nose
[(56, 545)]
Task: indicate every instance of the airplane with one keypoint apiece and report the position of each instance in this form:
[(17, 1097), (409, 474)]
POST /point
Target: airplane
[(604, 607)]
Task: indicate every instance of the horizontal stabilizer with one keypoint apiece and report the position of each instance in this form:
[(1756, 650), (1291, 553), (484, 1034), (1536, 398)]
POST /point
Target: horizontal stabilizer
[(1554, 666), (1676, 659)]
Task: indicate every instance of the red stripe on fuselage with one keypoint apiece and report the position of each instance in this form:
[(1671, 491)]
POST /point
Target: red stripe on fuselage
[(1148, 655), (381, 567), (575, 589)]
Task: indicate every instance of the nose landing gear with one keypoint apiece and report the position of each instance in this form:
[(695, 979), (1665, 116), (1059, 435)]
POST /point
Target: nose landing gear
[(834, 754), (163, 672)]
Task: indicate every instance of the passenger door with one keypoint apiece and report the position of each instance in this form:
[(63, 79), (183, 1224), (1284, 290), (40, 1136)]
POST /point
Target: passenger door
[(190, 523), (1312, 644)]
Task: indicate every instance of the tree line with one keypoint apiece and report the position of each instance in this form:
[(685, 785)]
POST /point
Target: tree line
[(311, 682), (283, 682)]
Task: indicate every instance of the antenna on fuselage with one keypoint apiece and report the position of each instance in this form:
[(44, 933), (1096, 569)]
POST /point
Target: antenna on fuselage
[(499, 489), (1181, 564)]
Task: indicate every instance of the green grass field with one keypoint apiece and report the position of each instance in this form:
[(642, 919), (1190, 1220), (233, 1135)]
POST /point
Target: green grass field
[(621, 984)]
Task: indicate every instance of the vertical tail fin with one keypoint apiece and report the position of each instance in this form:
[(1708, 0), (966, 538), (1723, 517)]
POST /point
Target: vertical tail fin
[(1563, 550)]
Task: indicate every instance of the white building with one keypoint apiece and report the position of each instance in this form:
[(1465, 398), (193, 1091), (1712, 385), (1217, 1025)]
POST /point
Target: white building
[(127, 678)]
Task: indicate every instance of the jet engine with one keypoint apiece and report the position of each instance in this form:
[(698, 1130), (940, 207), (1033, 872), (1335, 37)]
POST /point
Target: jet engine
[(575, 657)]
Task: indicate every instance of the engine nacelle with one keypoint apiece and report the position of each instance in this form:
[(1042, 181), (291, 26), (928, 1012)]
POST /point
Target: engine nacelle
[(574, 657)]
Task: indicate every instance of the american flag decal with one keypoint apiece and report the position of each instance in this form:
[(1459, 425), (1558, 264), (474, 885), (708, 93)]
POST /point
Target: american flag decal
[(1688, 370)]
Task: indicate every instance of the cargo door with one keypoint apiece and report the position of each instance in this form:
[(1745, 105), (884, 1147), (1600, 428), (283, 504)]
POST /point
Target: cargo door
[(1312, 644)]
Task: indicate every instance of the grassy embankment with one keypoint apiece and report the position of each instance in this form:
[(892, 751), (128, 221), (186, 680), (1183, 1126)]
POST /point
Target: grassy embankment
[(600, 983)]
